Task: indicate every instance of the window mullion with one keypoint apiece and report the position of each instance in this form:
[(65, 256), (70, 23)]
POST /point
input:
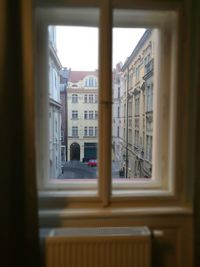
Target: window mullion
[(105, 102)]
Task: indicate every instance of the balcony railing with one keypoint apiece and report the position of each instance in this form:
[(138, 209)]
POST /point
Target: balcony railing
[(148, 67)]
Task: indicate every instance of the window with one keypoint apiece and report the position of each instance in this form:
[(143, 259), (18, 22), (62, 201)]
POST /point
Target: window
[(90, 131), (91, 82), (85, 131), (90, 98), (149, 148), (137, 104), (96, 131), (74, 114), (74, 98), (85, 115), (137, 123), (149, 98), (96, 114), (90, 114), (75, 131), (136, 138)]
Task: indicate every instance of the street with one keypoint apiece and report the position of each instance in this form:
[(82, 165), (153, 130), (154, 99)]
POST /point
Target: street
[(79, 170)]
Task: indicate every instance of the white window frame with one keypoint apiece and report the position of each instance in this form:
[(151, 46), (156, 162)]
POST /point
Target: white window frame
[(90, 114), (91, 131), (91, 98), (156, 19), (74, 131), (85, 131), (85, 114), (74, 98), (74, 114)]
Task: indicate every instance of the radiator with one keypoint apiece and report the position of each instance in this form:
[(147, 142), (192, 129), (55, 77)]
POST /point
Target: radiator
[(99, 247)]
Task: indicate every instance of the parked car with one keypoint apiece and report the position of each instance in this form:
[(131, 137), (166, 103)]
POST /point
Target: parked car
[(92, 163)]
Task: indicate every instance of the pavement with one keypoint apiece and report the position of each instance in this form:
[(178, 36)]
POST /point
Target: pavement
[(80, 170)]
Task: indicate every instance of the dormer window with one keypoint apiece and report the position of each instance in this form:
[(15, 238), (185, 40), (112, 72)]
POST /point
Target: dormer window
[(90, 82)]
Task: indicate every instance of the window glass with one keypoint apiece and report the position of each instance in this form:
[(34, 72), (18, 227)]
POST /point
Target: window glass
[(132, 85), (73, 75)]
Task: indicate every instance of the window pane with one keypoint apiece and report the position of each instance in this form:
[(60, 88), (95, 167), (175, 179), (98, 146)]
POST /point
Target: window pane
[(133, 89), (73, 107)]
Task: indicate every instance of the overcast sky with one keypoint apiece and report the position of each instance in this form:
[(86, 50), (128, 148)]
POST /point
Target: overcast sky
[(78, 46)]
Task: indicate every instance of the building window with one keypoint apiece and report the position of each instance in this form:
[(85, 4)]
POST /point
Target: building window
[(90, 115), (137, 123), (74, 131), (90, 82), (137, 73), (149, 98), (136, 138), (85, 114), (96, 131), (95, 98), (90, 131), (74, 114), (149, 148), (85, 131), (74, 98), (85, 98), (149, 123), (62, 136), (137, 105), (96, 114), (90, 98)]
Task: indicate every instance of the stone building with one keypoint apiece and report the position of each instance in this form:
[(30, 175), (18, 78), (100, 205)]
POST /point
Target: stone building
[(82, 98), (136, 87), (54, 107)]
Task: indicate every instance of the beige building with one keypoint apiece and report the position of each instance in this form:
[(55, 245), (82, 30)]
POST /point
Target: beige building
[(134, 135), (82, 100)]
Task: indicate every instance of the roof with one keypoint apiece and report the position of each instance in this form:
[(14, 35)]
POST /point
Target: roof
[(135, 51), (75, 76)]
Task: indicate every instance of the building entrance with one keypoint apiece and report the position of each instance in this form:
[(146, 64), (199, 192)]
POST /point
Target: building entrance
[(75, 151)]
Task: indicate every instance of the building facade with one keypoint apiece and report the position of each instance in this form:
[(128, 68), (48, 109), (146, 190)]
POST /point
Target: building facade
[(133, 136), (82, 98), (64, 76), (54, 107)]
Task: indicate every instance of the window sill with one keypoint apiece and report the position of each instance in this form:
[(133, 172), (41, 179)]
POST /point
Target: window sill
[(96, 213)]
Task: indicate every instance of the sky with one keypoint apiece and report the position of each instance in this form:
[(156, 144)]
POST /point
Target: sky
[(77, 47)]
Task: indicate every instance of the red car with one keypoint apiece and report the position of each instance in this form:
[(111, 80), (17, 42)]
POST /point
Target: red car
[(92, 163)]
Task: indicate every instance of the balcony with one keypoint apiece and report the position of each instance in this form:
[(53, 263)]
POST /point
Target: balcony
[(148, 70)]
